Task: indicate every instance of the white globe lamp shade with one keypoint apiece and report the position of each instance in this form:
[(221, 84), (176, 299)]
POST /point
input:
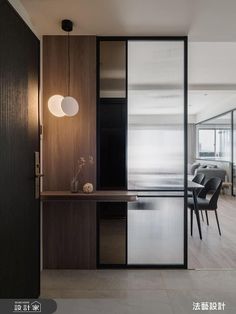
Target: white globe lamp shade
[(70, 106), (54, 105)]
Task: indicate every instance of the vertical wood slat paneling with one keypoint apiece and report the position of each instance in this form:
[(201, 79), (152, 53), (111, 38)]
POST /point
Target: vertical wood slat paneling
[(69, 235), (68, 138)]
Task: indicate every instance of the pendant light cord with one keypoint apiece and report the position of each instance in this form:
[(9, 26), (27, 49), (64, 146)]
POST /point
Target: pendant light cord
[(68, 59)]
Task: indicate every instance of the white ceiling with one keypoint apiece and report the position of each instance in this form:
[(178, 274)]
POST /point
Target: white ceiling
[(212, 78), (209, 24), (202, 20), (111, 17), (200, 101), (212, 64)]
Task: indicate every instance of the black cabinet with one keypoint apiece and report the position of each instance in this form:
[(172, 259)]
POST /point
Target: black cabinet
[(111, 155)]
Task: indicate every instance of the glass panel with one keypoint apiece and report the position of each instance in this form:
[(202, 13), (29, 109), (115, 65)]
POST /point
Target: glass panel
[(156, 151), (112, 233), (155, 115), (112, 69), (155, 231)]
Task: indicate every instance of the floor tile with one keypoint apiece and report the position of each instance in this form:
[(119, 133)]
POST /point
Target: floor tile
[(135, 302)]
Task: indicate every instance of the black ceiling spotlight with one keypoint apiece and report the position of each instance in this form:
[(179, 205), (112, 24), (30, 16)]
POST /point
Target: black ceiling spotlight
[(67, 25)]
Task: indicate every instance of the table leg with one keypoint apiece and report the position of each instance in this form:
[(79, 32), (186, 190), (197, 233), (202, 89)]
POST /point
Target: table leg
[(197, 213)]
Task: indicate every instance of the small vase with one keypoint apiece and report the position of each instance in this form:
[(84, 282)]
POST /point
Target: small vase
[(74, 186)]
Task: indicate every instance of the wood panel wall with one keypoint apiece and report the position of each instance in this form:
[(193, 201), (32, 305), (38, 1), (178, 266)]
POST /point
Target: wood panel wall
[(68, 138), (69, 235), (69, 229)]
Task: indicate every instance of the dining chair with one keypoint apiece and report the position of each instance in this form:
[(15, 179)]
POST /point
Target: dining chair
[(212, 190), (198, 178)]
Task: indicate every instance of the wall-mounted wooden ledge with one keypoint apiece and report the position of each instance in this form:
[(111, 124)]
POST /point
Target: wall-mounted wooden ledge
[(98, 196)]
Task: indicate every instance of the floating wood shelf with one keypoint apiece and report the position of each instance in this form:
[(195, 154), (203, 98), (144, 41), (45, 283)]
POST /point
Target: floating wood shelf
[(98, 196)]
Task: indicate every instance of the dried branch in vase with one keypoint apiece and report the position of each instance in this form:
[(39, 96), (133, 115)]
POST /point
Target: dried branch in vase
[(81, 164)]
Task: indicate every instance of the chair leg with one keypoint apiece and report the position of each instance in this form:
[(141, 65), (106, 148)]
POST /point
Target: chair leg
[(191, 222), (218, 224), (207, 217), (202, 215), (196, 210)]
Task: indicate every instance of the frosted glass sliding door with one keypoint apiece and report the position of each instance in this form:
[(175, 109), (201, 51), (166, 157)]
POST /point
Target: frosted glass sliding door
[(155, 115), (156, 151), (155, 231)]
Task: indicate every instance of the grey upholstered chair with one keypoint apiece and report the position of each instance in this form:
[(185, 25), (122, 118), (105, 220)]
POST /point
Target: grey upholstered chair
[(199, 178), (212, 188)]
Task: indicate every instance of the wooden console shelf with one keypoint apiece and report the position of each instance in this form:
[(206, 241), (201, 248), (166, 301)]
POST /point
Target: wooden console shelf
[(70, 227), (98, 196)]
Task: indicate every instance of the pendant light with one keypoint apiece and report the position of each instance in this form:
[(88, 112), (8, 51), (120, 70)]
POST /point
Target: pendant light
[(69, 104), (64, 106), (54, 105)]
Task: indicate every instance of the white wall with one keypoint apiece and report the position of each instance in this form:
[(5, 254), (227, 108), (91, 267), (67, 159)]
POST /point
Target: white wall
[(216, 109), (212, 71)]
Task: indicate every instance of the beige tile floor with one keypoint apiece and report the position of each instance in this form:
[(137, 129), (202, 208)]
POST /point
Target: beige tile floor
[(156, 291), (138, 291)]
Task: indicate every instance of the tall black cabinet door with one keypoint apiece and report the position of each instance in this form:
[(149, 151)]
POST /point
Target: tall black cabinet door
[(112, 124), (19, 139)]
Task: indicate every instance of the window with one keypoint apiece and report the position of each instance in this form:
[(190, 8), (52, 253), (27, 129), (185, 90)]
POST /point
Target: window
[(206, 140), (214, 143)]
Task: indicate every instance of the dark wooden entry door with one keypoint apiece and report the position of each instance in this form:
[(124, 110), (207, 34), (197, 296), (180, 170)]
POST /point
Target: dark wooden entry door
[(19, 139)]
